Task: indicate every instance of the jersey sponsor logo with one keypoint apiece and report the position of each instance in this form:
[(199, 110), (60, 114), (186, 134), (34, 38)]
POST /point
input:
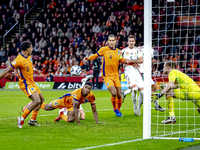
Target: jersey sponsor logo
[(32, 89), (127, 53), (74, 95), (135, 53), (86, 100), (55, 103), (31, 59), (14, 62), (107, 84)]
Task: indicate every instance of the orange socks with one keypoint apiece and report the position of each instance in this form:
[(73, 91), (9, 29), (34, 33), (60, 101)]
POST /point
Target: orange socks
[(26, 113), (119, 103), (43, 105), (34, 115), (64, 117), (113, 100)]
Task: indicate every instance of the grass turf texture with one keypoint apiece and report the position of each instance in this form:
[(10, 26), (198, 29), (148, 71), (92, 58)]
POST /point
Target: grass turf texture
[(62, 135)]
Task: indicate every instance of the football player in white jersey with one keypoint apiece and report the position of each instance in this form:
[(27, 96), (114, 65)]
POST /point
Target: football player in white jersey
[(153, 85), (132, 74)]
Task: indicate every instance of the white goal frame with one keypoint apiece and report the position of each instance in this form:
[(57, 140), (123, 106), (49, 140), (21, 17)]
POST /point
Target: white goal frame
[(147, 75)]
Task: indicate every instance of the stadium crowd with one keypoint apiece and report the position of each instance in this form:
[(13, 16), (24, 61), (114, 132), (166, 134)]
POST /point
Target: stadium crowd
[(67, 30)]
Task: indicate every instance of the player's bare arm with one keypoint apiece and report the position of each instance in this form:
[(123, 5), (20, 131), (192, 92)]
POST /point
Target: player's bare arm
[(128, 61), (95, 114), (170, 86), (76, 110), (8, 69)]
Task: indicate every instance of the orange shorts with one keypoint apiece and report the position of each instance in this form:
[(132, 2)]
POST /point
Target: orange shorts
[(66, 101), (112, 81), (29, 89)]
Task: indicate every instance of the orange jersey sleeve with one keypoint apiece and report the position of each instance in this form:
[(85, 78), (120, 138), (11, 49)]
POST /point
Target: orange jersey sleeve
[(77, 96), (25, 67), (98, 54)]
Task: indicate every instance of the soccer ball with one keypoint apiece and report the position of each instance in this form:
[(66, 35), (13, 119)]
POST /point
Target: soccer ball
[(75, 70)]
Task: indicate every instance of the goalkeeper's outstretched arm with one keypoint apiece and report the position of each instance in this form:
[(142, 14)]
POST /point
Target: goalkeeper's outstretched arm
[(170, 86)]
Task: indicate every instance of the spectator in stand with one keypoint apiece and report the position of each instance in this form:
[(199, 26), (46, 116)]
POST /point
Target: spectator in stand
[(127, 29), (95, 28), (24, 5), (16, 15), (96, 70), (58, 72), (49, 76), (42, 42), (135, 6)]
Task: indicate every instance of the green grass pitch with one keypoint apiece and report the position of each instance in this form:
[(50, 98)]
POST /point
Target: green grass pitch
[(62, 135)]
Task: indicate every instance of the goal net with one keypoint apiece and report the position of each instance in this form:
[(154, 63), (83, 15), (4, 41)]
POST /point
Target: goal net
[(176, 38)]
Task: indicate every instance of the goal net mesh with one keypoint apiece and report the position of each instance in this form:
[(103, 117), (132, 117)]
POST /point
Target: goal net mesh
[(176, 38)]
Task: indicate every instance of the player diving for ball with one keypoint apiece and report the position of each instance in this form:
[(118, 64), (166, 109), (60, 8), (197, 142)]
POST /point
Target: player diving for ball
[(180, 86), (133, 76)]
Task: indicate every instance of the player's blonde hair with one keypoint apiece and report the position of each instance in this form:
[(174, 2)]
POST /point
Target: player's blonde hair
[(170, 64)]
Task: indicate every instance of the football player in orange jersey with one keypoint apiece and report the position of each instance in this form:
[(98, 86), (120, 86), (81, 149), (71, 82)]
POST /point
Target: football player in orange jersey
[(24, 65), (110, 62), (72, 102)]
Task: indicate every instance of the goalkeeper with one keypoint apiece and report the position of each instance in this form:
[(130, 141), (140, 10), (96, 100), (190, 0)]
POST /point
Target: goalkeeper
[(180, 86)]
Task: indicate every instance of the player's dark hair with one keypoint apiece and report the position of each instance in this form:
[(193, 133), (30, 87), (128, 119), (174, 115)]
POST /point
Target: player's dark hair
[(88, 83), (131, 36), (111, 35), (170, 64), (25, 45)]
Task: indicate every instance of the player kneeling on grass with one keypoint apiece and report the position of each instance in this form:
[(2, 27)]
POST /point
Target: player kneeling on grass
[(72, 102), (81, 111), (180, 86)]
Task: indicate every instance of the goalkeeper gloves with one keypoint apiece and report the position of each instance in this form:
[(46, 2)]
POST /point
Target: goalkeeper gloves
[(162, 85), (156, 96)]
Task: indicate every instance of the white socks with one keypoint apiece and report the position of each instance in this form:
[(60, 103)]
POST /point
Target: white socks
[(140, 99), (127, 91), (133, 96)]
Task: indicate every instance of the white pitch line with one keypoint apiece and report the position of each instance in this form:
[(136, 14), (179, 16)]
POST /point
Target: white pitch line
[(57, 113), (110, 144), (124, 142)]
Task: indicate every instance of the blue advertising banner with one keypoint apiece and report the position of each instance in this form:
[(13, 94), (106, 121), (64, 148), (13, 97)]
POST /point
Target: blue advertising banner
[(124, 86)]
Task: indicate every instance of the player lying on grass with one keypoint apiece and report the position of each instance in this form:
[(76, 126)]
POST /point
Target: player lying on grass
[(81, 111), (24, 65), (180, 86), (72, 102)]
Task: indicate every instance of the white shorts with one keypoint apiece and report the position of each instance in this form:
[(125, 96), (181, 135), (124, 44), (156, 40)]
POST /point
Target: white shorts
[(133, 77), (152, 82)]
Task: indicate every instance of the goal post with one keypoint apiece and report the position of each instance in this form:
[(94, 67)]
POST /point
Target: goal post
[(175, 37), (147, 70)]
